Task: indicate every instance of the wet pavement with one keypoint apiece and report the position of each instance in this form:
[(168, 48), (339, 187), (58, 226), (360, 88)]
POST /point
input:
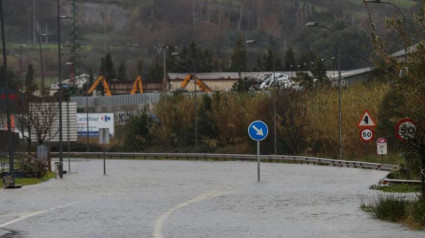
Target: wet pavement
[(196, 199)]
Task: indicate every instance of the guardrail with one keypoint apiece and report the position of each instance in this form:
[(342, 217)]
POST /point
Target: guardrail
[(240, 157), (387, 181)]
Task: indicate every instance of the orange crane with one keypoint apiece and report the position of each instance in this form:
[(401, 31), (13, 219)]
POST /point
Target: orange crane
[(198, 82), (104, 83), (137, 85)]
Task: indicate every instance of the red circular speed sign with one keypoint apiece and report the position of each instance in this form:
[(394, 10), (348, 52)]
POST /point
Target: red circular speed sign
[(405, 129), (366, 134)]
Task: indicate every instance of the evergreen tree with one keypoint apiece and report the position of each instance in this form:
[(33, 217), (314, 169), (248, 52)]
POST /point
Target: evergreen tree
[(29, 79), (139, 66), (319, 73), (107, 68), (239, 56), (289, 59), (269, 60), (155, 70), (122, 72)]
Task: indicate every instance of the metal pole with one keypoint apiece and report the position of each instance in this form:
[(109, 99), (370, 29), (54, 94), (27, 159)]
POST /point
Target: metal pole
[(274, 108), (33, 22), (68, 132), (273, 90), (316, 24), (196, 116), (258, 160), (423, 175), (60, 94), (104, 160), (41, 64), (339, 100), (9, 126), (275, 124), (164, 80), (87, 120), (20, 63)]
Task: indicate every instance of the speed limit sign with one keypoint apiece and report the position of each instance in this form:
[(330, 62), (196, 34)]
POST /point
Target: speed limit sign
[(405, 129), (366, 134)]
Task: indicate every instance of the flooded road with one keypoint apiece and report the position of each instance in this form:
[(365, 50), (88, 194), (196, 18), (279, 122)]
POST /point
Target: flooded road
[(196, 199)]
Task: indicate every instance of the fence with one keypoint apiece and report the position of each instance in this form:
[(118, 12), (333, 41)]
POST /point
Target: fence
[(239, 157)]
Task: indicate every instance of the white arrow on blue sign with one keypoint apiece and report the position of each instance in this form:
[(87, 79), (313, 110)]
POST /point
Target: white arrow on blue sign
[(258, 130)]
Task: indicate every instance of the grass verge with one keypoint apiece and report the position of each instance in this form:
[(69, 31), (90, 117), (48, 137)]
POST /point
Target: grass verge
[(402, 188), (396, 208), (32, 181)]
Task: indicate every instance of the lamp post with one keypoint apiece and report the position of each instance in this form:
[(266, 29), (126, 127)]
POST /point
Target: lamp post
[(20, 61), (316, 24), (404, 21), (194, 82), (9, 124), (41, 63), (253, 42), (60, 92)]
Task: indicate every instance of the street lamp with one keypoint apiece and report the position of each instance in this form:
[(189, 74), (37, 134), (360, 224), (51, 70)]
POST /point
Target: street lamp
[(404, 21), (194, 82), (316, 24), (9, 124), (20, 61), (41, 63), (252, 42), (59, 17)]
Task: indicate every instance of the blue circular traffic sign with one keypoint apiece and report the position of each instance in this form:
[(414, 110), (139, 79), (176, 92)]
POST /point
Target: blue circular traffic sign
[(258, 130)]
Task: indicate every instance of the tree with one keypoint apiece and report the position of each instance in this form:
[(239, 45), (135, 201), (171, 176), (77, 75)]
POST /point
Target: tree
[(155, 69), (238, 59), (139, 66), (122, 72), (107, 68), (289, 59), (409, 78), (29, 79), (37, 117), (137, 133), (319, 72)]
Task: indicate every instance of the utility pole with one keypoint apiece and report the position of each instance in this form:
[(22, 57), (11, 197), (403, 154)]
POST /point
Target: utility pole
[(33, 22), (9, 124), (75, 43), (164, 63)]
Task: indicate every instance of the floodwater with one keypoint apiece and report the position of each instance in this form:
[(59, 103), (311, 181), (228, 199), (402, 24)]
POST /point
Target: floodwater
[(197, 199)]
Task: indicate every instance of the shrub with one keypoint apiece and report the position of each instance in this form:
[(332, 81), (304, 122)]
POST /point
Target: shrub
[(416, 214), (388, 208)]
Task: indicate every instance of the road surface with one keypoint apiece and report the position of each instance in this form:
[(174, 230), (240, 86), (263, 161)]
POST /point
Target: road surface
[(192, 199)]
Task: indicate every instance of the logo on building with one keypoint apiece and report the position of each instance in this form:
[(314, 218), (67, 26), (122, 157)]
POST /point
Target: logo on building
[(106, 118)]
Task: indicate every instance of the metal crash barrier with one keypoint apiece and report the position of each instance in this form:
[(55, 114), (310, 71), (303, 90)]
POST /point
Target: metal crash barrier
[(240, 157)]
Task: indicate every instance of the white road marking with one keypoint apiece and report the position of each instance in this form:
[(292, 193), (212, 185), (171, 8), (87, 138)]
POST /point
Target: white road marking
[(158, 224), (31, 214)]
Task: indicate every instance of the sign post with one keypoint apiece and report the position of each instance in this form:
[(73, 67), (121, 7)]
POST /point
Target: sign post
[(366, 124), (381, 147), (103, 140), (258, 131)]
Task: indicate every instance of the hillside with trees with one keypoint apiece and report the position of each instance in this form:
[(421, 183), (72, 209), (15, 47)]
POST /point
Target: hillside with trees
[(134, 32)]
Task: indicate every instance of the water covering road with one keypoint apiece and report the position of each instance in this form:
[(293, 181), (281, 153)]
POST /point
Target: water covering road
[(197, 199)]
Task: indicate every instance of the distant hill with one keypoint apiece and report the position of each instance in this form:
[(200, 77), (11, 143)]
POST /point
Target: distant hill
[(132, 30)]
